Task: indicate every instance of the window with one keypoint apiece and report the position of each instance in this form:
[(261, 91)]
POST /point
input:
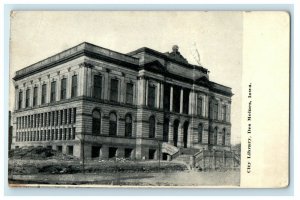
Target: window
[(112, 152), (128, 125), (216, 113), (224, 113), (59, 148), (129, 93), (74, 115), (186, 101), (53, 92), (70, 115), (35, 96), (216, 136), (96, 151), (112, 124), (176, 98), (27, 98), (152, 127), (61, 116), (38, 136), (42, 119), (65, 133), (74, 133), (151, 96), (49, 118), (53, 117), (151, 155), (74, 86), (45, 120), (20, 99), (200, 132), (96, 123), (44, 93), (127, 153), (70, 150), (57, 116), (114, 90), (97, 87), (65, 116), (223, 137), (199, 106), (63, 89)]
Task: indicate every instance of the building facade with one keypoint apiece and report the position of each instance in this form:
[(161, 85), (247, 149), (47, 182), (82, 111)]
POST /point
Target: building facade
[(94, 102)]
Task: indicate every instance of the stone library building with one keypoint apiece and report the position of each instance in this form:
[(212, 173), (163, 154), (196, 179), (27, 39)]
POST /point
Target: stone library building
[(96, 103)]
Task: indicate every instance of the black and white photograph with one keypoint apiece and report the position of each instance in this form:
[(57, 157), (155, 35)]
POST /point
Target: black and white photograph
[(126, 98)]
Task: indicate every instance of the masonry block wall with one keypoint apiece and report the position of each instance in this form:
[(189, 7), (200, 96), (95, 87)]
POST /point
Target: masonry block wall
[(95, 103)]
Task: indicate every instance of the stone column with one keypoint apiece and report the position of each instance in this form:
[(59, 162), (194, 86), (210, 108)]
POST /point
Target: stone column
[(146, 92), (171, 98), (48, 89), (16, 98), (161, 96), (171, 138), (181, 100), (122, 90), (192, 106), (157, 99), (180, 135), (206, 106), (106, 85)]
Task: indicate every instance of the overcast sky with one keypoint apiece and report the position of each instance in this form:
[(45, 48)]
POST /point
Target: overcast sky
[(217, 35)]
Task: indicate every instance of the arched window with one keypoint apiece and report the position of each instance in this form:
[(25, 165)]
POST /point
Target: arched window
[(223, 137), (96, 127), (216, 136), (200, 131), (152, 127), (128, 125), (112, 124)]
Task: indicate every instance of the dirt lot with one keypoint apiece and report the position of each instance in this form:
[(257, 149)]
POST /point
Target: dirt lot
[(42, 166)]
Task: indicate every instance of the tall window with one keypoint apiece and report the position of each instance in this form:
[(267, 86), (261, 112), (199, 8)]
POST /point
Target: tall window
[(63, 89), (224, 112), (151, 96), (199, 106), (216, 136), (53, 91), (65, 116), (44, 93), (74, 115), (129, 93), (114, 89), (96, 126), (128, 125), (216, 113), (97, 87), (74, 86), (200, 133), (223, 137), (152, 127), (27, 98), (20, 99), (35, 96), (112, 124)]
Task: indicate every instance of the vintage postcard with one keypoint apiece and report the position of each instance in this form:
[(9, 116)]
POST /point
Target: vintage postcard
[(149, 99)]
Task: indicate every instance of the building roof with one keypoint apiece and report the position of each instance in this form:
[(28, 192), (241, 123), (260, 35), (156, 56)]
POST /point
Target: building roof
[(129, 60)]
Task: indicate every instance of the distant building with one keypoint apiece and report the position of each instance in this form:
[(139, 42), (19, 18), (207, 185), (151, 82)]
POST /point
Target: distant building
[(103, 104)]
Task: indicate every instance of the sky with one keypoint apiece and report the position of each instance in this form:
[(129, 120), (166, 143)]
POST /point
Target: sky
[(218, 37)]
